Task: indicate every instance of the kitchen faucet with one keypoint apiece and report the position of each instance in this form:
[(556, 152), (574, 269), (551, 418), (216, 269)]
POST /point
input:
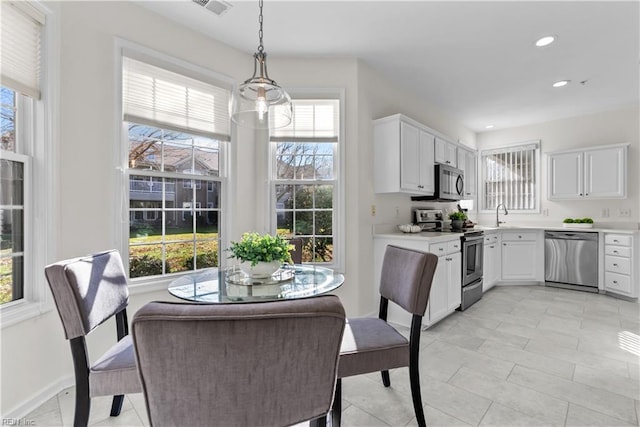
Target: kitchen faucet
[(498, 222)]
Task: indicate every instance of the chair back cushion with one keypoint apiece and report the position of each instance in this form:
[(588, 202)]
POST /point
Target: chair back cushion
[(406, 277), (87, 291), (250, 364)]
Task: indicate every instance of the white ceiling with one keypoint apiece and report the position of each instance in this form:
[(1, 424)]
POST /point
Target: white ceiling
[(475, 60)]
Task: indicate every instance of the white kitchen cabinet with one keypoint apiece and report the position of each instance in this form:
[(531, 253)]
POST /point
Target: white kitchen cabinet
[(597, 173), (520, 256), (446, 289), (446, 152), (491, 261), (619, 268), (467, 163), (403, 157)]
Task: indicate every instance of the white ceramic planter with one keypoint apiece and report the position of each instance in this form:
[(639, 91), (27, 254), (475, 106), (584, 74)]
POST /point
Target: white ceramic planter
[(261, 270), (577, 225)]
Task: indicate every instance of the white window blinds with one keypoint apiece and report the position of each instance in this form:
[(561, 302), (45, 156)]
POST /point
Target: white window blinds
[(313, 120), (158, 97), (21, 33), (510, 176)]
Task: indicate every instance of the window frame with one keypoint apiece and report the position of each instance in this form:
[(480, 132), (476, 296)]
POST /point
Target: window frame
[(338, 180), (132, 50), (508, 148)]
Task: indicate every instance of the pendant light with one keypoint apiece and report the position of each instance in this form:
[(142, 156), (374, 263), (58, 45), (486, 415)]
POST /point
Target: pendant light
[(259, 102)]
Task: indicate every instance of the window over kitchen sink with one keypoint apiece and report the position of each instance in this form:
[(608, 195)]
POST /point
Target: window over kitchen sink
[(511, 176)]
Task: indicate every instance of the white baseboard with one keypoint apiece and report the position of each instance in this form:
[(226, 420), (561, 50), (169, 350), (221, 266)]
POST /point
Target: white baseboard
[(38, 399)]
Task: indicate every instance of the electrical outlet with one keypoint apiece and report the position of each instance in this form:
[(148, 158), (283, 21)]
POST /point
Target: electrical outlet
[(604, 213), (373, 210), (545, 212), (397, 212), (624, 212)]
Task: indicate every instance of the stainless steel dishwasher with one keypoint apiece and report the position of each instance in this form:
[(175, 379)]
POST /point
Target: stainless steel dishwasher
[(571, 260)]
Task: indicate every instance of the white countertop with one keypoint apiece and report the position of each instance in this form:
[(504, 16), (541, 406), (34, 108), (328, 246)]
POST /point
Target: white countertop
[(435, 237), (488, 229)]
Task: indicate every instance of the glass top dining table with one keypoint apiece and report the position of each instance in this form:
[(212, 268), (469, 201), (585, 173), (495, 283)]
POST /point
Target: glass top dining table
[(230, 285)]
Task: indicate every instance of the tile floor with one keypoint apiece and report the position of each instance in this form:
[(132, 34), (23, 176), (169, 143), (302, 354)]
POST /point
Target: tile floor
[(522, 356)]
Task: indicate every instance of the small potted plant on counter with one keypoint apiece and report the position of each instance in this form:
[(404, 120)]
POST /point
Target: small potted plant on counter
[(457, 220), (261, 255), (577, 223)]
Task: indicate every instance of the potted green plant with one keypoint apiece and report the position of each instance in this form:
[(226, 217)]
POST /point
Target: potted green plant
[(457, 219), (577, 223), (261, 255)]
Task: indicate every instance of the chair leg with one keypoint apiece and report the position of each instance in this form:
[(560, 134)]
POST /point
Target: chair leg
[(318, 422), (385, 378), (336, 408), (80, 367), (116, 406), (414, 373)]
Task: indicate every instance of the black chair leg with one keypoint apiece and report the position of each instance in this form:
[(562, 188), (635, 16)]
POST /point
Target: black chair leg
[(81, 370), (385, 378), (416, 395), (318, 422), (116, 406), (336, 408), (83, 406), (414, 374)]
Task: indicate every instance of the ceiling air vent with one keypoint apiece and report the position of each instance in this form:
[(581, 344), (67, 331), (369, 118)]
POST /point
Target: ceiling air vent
[(218, 7)]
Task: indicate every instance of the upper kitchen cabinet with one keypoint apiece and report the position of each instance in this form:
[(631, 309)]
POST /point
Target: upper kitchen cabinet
[(446, 153), (403, 157), (467, 162), (596, 173)]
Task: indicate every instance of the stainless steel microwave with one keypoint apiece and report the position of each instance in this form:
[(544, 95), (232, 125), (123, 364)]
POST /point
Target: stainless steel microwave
[(449, 184)]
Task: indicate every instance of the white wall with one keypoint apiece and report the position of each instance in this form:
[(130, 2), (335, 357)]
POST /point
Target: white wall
[(611, 127), (35, 357)]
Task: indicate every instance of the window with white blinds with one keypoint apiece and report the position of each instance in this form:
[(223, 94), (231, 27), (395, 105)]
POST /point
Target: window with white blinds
[(158, 97), (511, 176), (21, 33), (305, 183), (178, 131)]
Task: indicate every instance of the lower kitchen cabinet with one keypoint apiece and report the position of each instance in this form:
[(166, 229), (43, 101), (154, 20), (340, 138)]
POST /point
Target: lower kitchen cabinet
[(619, 274), (491, 264), (446, 289), (520, 256)]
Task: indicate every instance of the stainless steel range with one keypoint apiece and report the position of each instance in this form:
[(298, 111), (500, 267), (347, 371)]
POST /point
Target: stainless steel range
[(472, 259), (472, 253)]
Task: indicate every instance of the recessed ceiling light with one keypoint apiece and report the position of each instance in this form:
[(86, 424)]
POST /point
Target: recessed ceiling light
[(546, 40), (489, 126), (561, 83)]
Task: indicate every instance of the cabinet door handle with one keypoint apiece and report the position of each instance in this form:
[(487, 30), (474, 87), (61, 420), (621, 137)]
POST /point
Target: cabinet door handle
[(615, 241), (440, 249), (615, 252), (504, 244), (615, 265), (586, 194), (519, 237), (492, 246), (615, 281), (580, 194)]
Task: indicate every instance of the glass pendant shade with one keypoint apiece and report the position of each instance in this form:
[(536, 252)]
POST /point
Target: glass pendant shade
[(259, 102)]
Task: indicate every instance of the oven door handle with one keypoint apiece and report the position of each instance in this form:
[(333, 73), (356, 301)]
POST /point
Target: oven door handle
[(472, 287)]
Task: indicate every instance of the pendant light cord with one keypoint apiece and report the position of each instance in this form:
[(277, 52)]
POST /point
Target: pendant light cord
[(260, 47)]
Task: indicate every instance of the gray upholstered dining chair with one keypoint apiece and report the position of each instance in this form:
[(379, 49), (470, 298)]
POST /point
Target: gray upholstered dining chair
[(244, 364), (88, 291), (296, 253), (370, 344)]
